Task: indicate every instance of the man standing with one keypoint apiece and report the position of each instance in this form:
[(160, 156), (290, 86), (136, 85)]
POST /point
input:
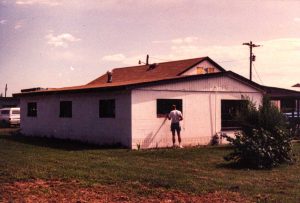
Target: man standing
[(175, 116)]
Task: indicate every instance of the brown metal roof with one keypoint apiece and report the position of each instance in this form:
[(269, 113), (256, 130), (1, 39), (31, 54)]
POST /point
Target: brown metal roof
[(281, 93), (139, 83), (137, 74), (152, 71)]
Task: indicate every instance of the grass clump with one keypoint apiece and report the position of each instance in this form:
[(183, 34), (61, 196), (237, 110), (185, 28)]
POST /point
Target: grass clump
[(199, 170)]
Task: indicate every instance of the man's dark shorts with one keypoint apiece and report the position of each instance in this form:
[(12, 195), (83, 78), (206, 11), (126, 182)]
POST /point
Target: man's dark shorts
[(175, 126)]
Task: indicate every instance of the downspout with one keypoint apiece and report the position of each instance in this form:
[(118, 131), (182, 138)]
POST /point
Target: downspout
[(215, 110), (210, 116)]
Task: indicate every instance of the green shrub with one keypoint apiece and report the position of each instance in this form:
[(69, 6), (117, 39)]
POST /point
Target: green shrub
[(264, 140), (215, 140)]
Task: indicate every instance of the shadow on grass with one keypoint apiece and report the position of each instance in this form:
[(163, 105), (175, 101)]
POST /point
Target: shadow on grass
[(232, 165), (55, 143), (240, 166)]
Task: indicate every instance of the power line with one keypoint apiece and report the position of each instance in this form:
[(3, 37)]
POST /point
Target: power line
[(232, 60), (217, 61), (159, 58), (258, 75)]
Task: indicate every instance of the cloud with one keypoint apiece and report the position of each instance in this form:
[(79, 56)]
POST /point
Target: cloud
[(114, 57), (123, 59), (277, 60), (3, 22), (19, 24), (160, 41), (118, 5), (39, 2), (283, 44), (297, 19), (184, 40), (62, 40)]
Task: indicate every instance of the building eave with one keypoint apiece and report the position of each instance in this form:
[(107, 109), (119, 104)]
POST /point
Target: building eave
[(86, 89)]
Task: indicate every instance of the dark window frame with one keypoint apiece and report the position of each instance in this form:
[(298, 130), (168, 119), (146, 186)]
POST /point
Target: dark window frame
[(32, 109), (107, 108), (288, 105), (164, 106), (65, 109), (229, 110)]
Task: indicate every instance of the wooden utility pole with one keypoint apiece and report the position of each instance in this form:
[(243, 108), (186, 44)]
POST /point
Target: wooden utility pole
[(252, 56)]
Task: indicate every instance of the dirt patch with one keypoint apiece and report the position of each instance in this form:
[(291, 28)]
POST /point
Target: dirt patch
[(73, 191)]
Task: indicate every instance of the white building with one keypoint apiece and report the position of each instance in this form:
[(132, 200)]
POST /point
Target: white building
[(130, 107)]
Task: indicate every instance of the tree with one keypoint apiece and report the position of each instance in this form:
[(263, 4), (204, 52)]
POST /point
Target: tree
[(264, 140)]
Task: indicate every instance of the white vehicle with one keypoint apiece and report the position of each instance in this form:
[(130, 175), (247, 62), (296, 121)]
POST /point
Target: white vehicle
[(10, 116), (290, 114)]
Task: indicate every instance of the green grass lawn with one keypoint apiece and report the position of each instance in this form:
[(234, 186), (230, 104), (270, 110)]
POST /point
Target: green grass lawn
[(193, 170)]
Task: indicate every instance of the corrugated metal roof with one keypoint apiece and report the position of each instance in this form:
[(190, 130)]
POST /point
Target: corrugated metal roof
[(139, 74), (151, 71), (138, 83)]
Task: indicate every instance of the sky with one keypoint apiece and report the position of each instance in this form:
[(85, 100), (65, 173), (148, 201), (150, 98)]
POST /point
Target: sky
[(59, 43)]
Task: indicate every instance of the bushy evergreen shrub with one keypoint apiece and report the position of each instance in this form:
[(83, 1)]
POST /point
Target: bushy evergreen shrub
[(264, 140)]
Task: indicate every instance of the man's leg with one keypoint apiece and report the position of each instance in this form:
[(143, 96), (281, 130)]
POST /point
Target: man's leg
[(173, 137), (179, 137)]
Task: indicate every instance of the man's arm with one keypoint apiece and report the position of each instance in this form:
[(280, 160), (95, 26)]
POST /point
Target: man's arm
[(180, 116), (168, 116)]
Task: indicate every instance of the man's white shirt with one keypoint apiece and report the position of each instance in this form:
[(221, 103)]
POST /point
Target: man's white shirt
[(175, 116)]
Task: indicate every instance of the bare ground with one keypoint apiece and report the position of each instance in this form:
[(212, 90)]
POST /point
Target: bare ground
[(73, 191)]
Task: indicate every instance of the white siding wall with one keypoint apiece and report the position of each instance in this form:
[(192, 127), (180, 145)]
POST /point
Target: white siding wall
[(136, 121), (201, 110), (85, 124)]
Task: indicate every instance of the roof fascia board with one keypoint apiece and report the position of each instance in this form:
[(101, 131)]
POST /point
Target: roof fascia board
[(245, 81), (86, 90)]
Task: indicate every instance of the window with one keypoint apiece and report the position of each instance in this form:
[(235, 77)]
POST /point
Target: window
[(164, 106), (200, 70), (31, 109), (229, 110), (65, 109), (288, 105), (276, 103), (5, 112), (210, 70), (16, 112), (107, 108)]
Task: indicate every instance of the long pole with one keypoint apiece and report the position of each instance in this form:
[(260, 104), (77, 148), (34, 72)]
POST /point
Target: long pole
[(251, 57), (250, 74), (5, 90)]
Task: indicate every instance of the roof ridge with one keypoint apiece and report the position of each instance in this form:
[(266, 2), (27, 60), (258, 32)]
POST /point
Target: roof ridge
[(200, 58)]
